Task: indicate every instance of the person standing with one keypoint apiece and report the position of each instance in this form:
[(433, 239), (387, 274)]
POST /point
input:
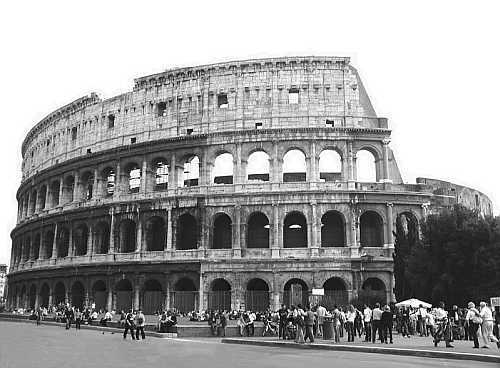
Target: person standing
[(251, 326), (129, 325), (376, 321), (78, 319), (298, 317), (386, 324), (367, 319), (443, 331), (68, 314), (473, 321), (309, 323), (283, 316), (422, 316), (349, 323), (321, 312), (140, 322), (221, 330), (487, 325), (336, 323)]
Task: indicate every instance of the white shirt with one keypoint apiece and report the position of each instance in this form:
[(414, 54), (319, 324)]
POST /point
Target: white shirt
[(440, 313), (377, 314), (321, 311), (422, 312), (351, 316), (471, 313), (486, 314), (368, 314)]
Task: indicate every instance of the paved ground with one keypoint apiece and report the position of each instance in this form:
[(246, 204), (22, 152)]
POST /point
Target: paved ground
[(25, 346)]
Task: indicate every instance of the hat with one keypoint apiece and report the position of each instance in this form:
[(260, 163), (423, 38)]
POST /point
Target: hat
[(471, 305)]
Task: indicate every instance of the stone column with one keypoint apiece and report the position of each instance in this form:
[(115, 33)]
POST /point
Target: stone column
[(118, 181), (111, 249), (201, 293), (47, 197), (54, 243), (137, 295), (138, 245), (237, 232), (169, 230), (351, 164), (167, 291), (314, 245), (238, 173), (275, 245), (90, 241), (96, 190), (40, 247), (385, 157), (61, 192), (109, 301), (144, 175), (390, 227), (313, 169), (76, 188), (172, 176), (71, 248)]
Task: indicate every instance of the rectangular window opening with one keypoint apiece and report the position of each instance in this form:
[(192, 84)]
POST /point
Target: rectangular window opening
[(258, 125), (222, 102), (189, 131), (161, 108), (133, 140), (111, 121), (293, 96), (74, 132)]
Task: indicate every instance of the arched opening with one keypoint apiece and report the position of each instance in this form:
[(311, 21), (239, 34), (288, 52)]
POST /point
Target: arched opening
[(36, 246), (185, 295), (41, 197), (366, 167), (59, 294), (134, 177), (44, 296), (62, 242), (161, 169), (23, 302), (187, 232), (78, 295), (127, 236), (296, 292), (335, 293), (99, 293), (373, 291), (123, 295), (223, 169), (258, 231), (32, 297), (152, 298), (54, 193), (295, 231), (101, 238), (80, 239), (257, 296), (330, 166), (48, 243), (407, 227), (27, 248), (219, 297), (87, 186), (371, 229), (222, 232), (294, 166), (69, 188), (156, 233), (191, 174), (258, 166), (332, 230), (33, 200), (109, 177)]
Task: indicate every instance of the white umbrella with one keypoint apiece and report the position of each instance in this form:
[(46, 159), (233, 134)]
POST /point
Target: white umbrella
[(414, 303)]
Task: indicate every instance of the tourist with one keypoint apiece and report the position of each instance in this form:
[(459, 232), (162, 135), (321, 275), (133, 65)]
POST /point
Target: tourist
[(68, 314), (321, 313), (336, 317), (487, 326), (421, 318), (367, 319), (309, 323), (358, 323), (386, 324), (140, 322), (283, 316), (162, 322), (298, 315), (376, 323), (251, 319), (473, 321), (212, 322), (78, 318), (39, 314), (129, 325), (350, 317), (242, 324), (222, 323), (443, 331), (430, 324)]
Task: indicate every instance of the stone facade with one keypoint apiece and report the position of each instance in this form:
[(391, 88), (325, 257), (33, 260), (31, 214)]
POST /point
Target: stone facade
[(124, 202)]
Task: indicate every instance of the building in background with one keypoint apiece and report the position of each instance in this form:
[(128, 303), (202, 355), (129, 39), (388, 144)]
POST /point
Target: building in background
[(234, 185)]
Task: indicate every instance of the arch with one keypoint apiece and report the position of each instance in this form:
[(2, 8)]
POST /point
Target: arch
[(191, 173), (187, 232), (335, 293), (32, 297), (257, 295), (156, 233), (54, 193), (44, 295), (222, 232), (366, 167), (258, 231), (36, 246), (294, 166), (295, 230), (258, 166), (223, 169), (295, 292), (48, 243), (332, 229), (87, 185), (78, 295), (41, 197), (62, 242), (80, 239), (69, 188), (123, 289), (27, 248), (185, 295), (330, 165), (373, 291), (219, 296), (23, 297), (407, 226), (99, 294), (33, 200), (152, 297), (133, 171), (161, 170), (109, 179), (101, 237), (127, 236), (59, 294), (371, 229)]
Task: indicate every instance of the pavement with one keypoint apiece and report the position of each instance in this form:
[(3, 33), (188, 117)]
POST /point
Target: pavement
[(24, 345)]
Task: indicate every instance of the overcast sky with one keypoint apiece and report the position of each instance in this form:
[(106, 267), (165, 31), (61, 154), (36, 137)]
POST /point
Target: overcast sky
[(432, 68)]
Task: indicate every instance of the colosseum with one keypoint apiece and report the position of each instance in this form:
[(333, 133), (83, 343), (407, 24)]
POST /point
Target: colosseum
[(234, 185)]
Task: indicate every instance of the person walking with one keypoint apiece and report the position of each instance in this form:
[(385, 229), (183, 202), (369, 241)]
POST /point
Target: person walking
[(140, 322), (487, 325), (443, 331), (309, 323), (376, 323), (298, 316), (473, 321), (386, 324), (68, 314), (367, 319)]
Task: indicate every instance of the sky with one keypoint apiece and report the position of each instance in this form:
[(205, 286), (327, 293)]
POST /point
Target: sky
[(431, 67)]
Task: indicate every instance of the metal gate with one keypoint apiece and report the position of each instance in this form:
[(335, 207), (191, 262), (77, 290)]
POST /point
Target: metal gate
[(100, 300), (184, 301), (219, 300), (257, 301), (335, 297), (152, 301), (123, 300)]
